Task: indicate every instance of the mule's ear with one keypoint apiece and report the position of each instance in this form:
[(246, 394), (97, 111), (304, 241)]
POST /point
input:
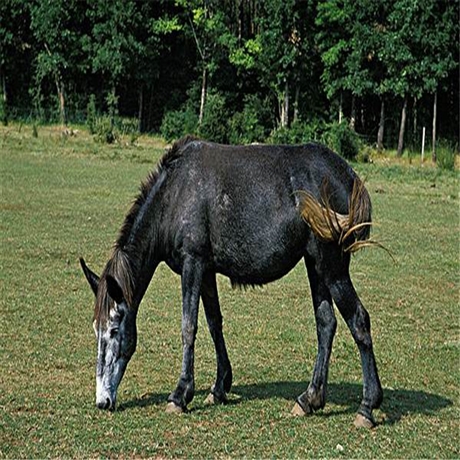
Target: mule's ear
[(114, 290), (92, 278)]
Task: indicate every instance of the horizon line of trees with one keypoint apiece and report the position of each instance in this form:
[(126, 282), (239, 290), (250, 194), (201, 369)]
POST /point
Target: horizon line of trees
[(237, 70)]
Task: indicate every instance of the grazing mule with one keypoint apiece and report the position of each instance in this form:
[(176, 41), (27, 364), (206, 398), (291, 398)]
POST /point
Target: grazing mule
[(250, 213)]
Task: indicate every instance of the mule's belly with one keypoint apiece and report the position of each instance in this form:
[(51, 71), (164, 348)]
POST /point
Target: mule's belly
[(243, 275), (262, 256)]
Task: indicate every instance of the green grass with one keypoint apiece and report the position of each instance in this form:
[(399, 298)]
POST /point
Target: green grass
[(62, 198)]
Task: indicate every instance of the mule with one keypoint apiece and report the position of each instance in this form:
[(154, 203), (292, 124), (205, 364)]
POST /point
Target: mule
[(250, 213)]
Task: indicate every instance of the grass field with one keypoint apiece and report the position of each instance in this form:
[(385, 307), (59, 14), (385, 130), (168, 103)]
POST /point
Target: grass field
[(62, 198)]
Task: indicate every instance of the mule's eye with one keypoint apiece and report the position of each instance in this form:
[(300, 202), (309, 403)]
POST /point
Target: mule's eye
[(113, 332)]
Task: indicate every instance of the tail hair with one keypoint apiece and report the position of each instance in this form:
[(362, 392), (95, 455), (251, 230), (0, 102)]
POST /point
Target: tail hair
[(350, 231)]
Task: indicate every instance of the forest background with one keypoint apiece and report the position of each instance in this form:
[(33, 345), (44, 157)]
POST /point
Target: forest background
[(236, 71)]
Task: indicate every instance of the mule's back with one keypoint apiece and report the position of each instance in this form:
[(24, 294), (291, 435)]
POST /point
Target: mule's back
[(238, 206)]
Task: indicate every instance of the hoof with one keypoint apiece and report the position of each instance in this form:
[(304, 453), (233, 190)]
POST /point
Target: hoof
[(210, 400), (363, 422), (172, 408), (297, 410), (213, 400)]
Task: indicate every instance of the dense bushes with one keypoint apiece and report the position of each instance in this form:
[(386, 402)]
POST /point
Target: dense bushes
[(248, 126), (342, 139), (445, 155)]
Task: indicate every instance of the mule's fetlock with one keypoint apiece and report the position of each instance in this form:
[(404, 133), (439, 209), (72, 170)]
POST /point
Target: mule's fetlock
[(217, 395), (316, 397), (228, 379)]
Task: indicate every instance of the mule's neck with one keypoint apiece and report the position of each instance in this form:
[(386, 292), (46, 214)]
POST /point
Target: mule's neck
[(139, 237), (143, 266)]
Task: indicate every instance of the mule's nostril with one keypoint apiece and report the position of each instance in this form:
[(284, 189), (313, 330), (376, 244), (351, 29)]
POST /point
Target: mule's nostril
[(104, 404)]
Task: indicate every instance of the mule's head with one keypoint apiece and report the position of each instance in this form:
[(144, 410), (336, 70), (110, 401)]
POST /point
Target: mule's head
[(115, 328)]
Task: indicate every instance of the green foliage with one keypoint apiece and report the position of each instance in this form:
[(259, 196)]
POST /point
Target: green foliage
[(445, 155), (129, 127), (215, 120), (113, 44), (246, 56), (293, 55), (340, 138), (249, 125), (105, 130), (91, 114), (177, 123), (105, 127), (366, 154), (299, 133)]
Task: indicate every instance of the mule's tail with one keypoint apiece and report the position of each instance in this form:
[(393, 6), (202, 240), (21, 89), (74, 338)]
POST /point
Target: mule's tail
[(351, 231)]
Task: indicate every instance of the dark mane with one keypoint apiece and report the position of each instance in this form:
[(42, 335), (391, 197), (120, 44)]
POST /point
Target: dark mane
[(149, 186), (120, 266)]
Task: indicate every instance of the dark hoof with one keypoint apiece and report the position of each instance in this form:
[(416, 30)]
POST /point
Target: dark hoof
[(364, 422), (173, 408)]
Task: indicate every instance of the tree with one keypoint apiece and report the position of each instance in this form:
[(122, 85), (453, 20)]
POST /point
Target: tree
[(279, 45), (333, 39), (349, 39), (57, 28), (113, 44), (15, 53), (418, 53), (438, 53)]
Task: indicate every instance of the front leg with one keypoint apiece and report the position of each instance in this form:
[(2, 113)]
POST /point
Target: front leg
[(192, 274)]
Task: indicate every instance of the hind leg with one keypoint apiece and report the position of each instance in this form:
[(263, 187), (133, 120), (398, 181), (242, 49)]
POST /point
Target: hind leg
[(315, 396), (358, 321), (211, 305)]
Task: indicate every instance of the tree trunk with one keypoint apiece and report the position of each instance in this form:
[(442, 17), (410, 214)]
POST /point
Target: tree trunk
[(61, 97), (60, 91), (340, 109), (140, 125), (353, 113), (203, 94), (296, 102), (285, 107), (435, 112), (402, 128), (381, 130), (4, 102), (240, 20)]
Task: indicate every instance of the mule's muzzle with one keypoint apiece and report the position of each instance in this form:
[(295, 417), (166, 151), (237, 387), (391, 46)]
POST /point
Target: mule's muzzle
[(105, 403)]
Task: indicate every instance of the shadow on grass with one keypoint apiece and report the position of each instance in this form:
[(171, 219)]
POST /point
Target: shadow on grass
[(397, 402)]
